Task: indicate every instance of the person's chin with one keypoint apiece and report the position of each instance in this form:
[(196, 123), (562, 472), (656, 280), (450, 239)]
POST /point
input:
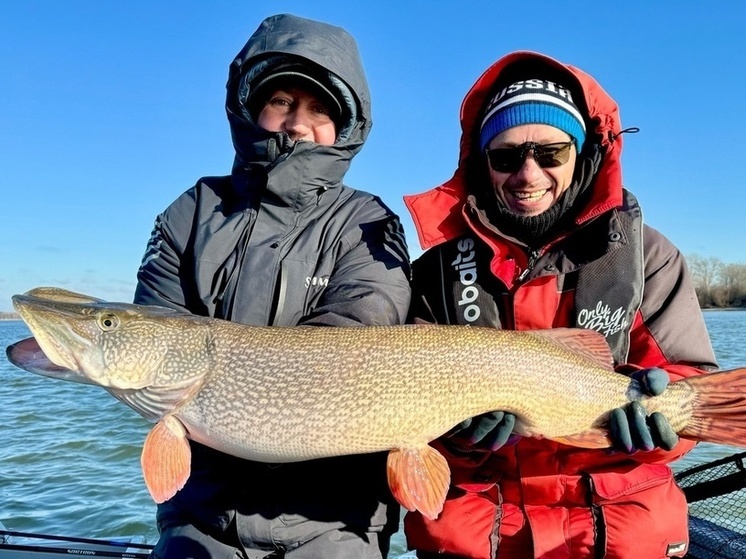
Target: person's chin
[(527, 209)]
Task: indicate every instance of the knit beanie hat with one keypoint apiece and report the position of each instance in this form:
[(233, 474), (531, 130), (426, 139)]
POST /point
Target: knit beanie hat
[(532, 101)]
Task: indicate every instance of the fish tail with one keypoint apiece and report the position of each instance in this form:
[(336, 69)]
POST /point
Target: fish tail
[(718, 408)]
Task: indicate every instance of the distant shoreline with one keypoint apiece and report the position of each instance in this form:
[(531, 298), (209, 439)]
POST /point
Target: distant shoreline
[(708, 309)]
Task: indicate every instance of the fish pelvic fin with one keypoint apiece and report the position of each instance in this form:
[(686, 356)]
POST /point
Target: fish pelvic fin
[(718, 408), (419, 479), (166, 459), (593, 438)]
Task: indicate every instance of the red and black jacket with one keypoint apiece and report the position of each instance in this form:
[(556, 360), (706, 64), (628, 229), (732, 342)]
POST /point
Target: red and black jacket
[(610, 273)]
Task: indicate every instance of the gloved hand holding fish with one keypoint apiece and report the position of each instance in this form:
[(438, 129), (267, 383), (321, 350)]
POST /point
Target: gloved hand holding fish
[(488, 431), (286, 394), (630, 427)]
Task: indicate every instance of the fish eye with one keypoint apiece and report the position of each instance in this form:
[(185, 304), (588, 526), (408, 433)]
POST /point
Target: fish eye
[(108, 322)]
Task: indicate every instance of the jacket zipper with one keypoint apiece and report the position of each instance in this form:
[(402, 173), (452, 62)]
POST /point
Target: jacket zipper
[(533, 257), (282, 288), (599, 522)]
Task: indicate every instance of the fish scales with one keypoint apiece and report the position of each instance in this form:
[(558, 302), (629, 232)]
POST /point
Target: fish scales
[(291, 394), (303, 388)]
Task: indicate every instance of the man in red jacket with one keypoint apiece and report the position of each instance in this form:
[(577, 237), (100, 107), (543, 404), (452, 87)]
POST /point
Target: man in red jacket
[(535, 230)]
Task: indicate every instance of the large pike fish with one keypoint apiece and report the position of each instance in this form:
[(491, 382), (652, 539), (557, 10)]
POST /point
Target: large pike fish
[(277, 394)]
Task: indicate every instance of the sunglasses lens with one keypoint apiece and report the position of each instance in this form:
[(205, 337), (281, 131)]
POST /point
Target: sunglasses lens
[(506, 160), (552, 155), (510, 160)]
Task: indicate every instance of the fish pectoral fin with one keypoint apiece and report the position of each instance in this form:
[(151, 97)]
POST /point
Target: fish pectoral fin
[(593, 438), (419, 479), (166, 459)]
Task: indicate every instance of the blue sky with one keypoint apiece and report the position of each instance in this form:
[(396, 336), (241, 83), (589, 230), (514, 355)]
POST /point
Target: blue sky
[(109, 110)]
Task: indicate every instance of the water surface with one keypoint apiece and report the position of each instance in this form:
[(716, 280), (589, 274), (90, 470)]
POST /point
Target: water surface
[(69, 453)]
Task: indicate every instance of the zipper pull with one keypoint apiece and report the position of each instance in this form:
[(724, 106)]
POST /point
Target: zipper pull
[(533, 256)]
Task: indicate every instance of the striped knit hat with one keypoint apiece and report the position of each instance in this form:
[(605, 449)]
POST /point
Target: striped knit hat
[(533, 101)]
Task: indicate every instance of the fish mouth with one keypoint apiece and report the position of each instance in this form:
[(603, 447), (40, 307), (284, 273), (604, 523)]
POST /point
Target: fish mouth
[(71, 334), (28, 355), (50, 314)]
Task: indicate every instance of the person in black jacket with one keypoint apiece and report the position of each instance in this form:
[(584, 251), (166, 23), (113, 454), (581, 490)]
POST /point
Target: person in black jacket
[(283, 242)]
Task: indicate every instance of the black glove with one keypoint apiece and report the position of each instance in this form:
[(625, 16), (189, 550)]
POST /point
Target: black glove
[(488, 431), (632, 429)]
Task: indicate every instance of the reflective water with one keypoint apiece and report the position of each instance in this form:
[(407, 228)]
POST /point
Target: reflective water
[(69, 456), (69, 453)]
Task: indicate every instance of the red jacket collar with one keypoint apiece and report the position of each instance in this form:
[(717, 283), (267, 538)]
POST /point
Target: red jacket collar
[(437, 212)]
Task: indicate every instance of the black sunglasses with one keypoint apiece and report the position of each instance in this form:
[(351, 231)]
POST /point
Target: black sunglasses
[(510, 160)]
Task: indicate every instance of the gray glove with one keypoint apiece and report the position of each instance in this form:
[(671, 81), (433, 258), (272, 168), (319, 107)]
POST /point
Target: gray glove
[(632, 429), (488, 431)]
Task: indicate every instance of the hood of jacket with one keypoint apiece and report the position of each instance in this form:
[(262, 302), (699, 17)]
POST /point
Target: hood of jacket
[(437, 213), (297, 171)]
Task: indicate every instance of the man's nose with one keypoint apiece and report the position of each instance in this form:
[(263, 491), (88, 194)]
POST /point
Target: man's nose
[(530, 168)]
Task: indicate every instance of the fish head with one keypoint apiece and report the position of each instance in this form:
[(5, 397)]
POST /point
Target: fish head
[(119, 346)]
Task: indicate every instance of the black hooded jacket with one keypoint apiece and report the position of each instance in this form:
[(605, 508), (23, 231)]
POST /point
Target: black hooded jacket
[(281, 241)]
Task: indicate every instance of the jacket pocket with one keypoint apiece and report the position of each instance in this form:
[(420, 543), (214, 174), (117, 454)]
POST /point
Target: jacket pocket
[(640, 513), (464, 528)]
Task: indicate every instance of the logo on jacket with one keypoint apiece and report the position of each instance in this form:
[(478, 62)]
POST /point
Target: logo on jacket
[(317, 281), (602, 319), (466, 267)]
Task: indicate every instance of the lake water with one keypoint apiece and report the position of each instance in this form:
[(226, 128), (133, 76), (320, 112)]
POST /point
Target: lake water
[(69, 453)]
